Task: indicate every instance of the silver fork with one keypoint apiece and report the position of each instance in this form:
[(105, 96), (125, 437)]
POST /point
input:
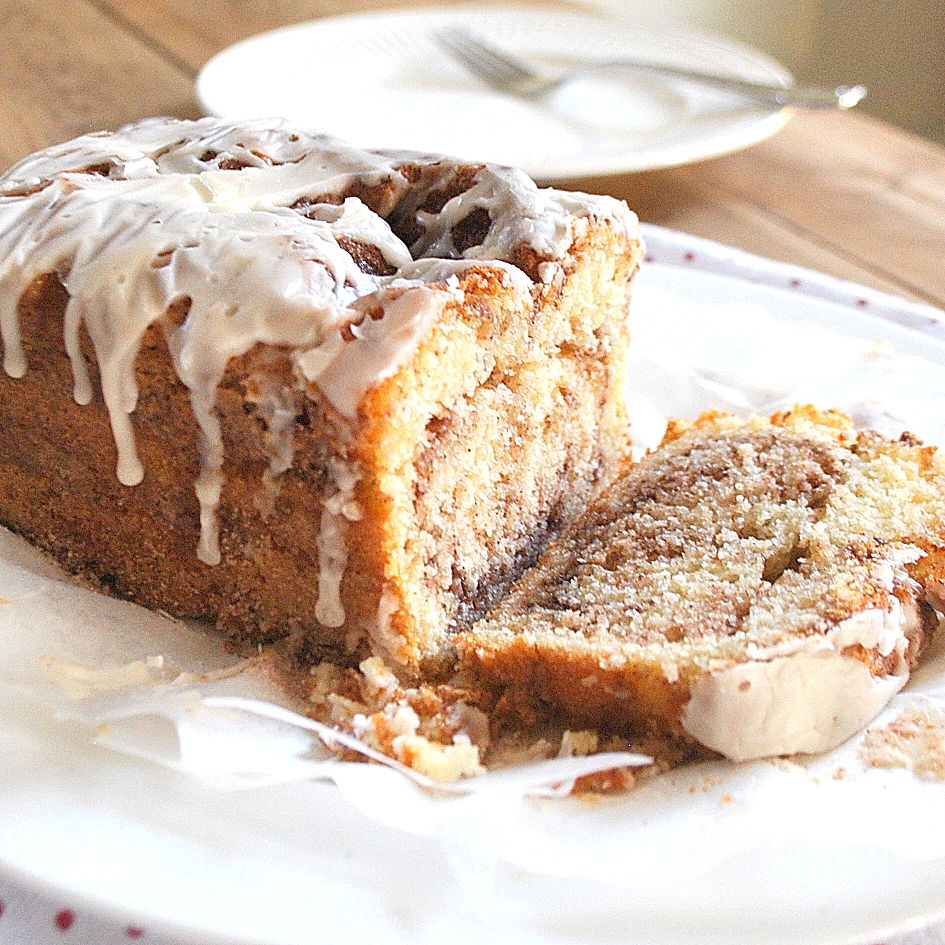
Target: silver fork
[(507, 74)]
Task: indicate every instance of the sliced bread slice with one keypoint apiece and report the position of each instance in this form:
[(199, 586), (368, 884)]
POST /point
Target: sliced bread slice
[(760, 586)]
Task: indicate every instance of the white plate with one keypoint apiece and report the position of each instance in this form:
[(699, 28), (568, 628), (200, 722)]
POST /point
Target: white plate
[(380, 80), (305, 864)]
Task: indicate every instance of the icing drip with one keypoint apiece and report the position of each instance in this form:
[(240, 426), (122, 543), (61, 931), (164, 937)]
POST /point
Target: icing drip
[(279, 405), (265, 236), (337, 510), (383, 638)]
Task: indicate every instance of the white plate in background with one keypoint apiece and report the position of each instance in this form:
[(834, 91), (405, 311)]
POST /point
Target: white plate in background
[(380, 80)]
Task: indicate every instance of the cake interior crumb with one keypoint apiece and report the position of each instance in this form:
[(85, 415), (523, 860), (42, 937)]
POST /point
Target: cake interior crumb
[(455, 729), (914, 740)]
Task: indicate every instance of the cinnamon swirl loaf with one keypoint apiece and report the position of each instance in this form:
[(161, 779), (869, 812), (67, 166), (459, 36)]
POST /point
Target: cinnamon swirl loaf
[(761, 587), (311, 393)]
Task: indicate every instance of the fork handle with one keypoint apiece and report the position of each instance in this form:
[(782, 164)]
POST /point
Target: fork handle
[(800, 96)]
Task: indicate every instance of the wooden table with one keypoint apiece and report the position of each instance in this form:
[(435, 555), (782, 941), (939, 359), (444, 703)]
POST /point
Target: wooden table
[(838, 192)]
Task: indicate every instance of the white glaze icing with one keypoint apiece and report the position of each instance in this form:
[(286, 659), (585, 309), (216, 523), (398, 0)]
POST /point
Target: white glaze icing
[(808, 702), (224, 217), (384, 640), (810, 699), (339, 508)]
